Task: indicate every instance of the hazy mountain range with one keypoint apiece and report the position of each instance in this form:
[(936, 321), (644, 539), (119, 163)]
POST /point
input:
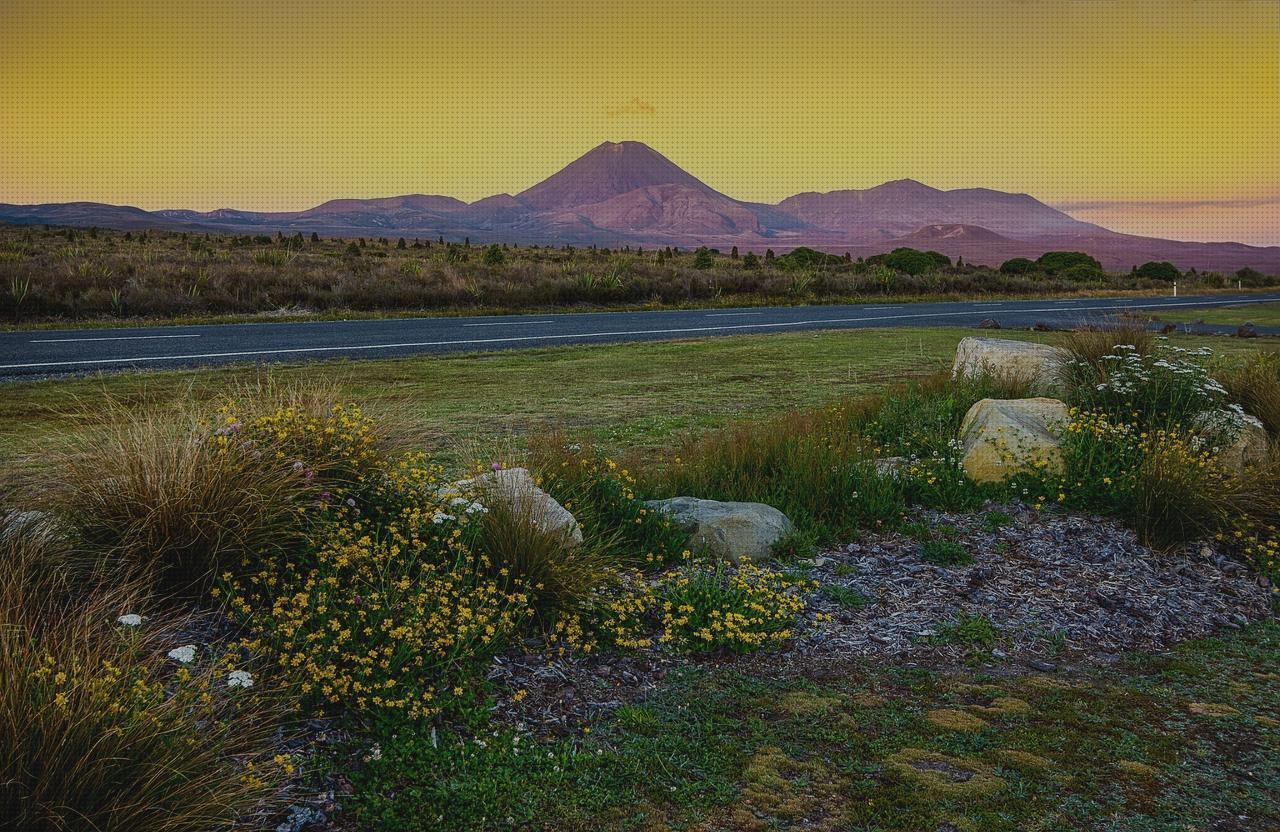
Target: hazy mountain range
[(626, 193)]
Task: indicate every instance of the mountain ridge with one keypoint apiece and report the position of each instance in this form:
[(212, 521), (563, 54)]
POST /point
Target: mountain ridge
[(627, 193)]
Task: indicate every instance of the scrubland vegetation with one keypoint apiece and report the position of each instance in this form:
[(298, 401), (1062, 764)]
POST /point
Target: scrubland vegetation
[(80, 275), (228, 606)]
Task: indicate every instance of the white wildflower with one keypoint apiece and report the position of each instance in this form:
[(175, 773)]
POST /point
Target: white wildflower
[(183, 655), (130, 620), (239, 679)]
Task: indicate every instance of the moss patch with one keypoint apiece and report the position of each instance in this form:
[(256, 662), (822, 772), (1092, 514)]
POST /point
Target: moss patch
[(955, 720), (943, 774), (804, 703), (1024, 760), (1212, 709), (867, 699), (1135, 769), (1004, 706)]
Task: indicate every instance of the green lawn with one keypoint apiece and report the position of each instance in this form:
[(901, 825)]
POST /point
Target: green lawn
[(1260, 314), (1185, 740), (632, 397)]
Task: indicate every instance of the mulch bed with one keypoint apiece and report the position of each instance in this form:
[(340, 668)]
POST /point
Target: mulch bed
[(1059, 589)]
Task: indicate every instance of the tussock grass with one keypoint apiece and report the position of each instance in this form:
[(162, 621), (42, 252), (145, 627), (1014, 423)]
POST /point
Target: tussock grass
[(560, 572), (1254, 383), (84, 746), (813, 465), (154, 494)]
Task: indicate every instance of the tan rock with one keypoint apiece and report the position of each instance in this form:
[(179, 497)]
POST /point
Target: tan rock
[(1003, 437), (734, 531), (1022, 361), (517, 488)]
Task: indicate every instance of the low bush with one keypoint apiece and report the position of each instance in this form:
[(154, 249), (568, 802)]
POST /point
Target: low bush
[(603, 497), (549, 565), (736, 608), (1167, 388), (814, 466), (390, 614)]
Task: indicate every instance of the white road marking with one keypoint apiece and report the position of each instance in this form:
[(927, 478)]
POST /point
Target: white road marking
[(730, 314), (512, 339), (511, 323), (115, 338), (882, 307)]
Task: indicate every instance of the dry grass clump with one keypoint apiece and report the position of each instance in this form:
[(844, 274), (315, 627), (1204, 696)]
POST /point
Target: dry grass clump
[(1092, 344), (99, 731), (1254, 384), (152, 492), (558, 571)]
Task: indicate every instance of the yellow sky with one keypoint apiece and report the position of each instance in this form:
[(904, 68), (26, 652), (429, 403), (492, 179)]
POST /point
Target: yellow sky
[(278, 104)]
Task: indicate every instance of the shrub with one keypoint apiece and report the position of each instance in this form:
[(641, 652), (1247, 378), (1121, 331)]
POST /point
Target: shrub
[(1059, 261), (1165, 483), (914, 262), (807, 258), (814, 466), (1018, 265), (603, 497), (153, 493), (922, 419), (99, 731), (391, 613), (557, 572), (737, 608), (1163, 270), (1169, 387)]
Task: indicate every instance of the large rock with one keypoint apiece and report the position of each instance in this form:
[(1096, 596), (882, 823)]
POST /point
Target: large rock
[(729, 530), (1002, 437), (517, 488), (1030, 363)]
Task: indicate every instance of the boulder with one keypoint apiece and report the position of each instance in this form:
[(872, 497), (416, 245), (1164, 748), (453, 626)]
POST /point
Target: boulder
[(1250, 448), (516, 487), (734, 531), (1036, 364), (1002, 437), (31, 524), (1247, 330)]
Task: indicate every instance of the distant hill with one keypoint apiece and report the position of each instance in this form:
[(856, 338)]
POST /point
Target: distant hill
[(627, 193)]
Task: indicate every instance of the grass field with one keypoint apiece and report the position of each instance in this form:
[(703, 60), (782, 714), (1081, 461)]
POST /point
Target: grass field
[(636, 398), (1147, 745), (1260, 314)]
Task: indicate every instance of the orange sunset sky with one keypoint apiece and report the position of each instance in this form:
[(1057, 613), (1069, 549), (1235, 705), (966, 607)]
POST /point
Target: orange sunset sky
[(1160, 118)]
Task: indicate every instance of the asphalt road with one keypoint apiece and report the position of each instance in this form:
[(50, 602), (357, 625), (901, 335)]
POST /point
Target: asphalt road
[(57, 352)]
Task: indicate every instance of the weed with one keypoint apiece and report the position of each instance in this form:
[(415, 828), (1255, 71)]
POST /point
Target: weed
[(945, 553), (847, 597)]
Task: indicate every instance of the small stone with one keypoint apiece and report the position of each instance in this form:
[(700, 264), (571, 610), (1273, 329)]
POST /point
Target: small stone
[(1043, 667)]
